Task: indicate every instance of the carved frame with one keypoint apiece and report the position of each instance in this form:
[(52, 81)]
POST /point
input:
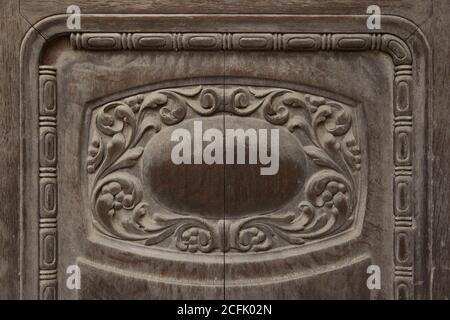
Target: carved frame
[(400, 39)]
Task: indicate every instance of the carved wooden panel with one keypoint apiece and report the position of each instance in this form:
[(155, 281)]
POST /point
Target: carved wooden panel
[(104, 194)]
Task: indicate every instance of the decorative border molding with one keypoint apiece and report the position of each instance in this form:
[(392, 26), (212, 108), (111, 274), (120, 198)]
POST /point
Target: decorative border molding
[(387, 43), (48, 187), (403, 190)]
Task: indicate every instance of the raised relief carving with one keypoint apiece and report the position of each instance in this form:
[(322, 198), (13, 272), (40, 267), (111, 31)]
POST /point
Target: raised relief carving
[(48, 187), (326, 134), (403, 191), (395, 47), (387, 43), (406, 175)]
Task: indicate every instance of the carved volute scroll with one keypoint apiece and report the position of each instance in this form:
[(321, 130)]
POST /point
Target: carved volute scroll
[(325, 131)]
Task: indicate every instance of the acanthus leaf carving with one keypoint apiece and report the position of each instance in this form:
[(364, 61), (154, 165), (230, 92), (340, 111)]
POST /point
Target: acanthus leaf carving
[(327, 138)]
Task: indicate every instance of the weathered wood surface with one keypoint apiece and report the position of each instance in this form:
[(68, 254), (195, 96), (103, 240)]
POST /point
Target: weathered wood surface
[(12, 27), (434, 28), (431, 16), (417, 11)]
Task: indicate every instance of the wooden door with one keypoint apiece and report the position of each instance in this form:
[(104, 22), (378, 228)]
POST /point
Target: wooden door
[(104, 106)]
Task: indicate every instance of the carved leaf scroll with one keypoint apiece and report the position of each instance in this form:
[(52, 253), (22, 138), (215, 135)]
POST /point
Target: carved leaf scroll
[(120, 130)]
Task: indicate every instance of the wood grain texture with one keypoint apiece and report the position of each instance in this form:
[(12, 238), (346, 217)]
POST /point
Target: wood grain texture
[(415, 10), (431, 16), (436, 29), (12, 28)]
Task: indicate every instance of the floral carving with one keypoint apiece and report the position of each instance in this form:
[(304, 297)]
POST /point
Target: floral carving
[(120, 129), (328, 140)]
